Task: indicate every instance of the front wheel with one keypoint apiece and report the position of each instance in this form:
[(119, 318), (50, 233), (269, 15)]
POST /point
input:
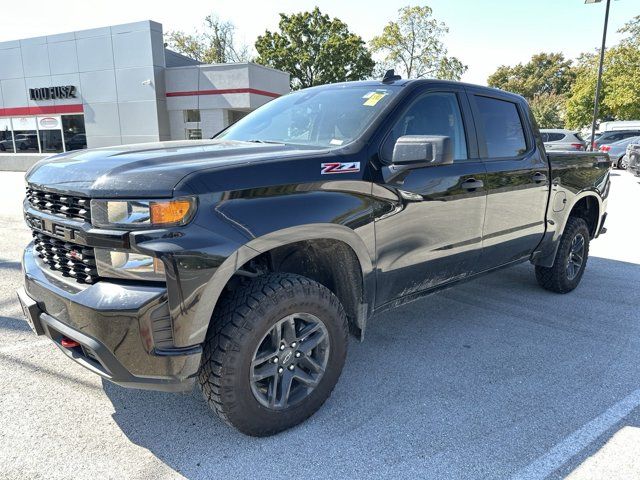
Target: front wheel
[(570, 261), (274, 353)]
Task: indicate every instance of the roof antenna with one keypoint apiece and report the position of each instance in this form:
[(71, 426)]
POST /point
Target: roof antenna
[(390, 76)]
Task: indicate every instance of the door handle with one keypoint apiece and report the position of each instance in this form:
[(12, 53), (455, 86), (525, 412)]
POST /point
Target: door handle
[(539, 177), (472, 184)]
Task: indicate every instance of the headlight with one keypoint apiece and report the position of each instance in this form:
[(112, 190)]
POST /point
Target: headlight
[(128, 265), (142, 213)]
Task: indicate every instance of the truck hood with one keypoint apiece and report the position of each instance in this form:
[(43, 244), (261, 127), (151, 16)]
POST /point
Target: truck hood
[(149, 169)]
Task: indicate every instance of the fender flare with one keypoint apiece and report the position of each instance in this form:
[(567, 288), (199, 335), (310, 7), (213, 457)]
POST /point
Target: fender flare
[(575, 200), (257, 246), (551, 241)]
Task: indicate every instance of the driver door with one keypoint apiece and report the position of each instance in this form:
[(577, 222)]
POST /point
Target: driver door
[(434, 236)]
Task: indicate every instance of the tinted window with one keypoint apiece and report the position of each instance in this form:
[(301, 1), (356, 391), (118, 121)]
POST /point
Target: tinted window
[(431, 114), (552, 137), (503, 132), (51, 141), (75, 137), (6, 137), (26, 141)]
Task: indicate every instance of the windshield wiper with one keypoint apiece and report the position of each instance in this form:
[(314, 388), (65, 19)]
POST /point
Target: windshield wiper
[(264, 141)]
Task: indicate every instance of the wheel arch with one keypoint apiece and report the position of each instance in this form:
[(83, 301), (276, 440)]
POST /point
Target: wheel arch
[(349, 261), (588, 207), (587, 204)]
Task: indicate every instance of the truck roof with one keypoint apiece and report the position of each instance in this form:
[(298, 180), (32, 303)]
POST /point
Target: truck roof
[(404, 82)]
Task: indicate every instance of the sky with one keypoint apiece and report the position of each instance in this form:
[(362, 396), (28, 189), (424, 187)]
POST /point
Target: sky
[(482, 34)]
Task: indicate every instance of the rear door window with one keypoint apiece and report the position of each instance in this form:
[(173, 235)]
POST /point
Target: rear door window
[(553, 137), (629, 134), (502, 127)]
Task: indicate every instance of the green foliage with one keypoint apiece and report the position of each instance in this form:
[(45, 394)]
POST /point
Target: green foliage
[(314, 49), (558, 89), (412, 45), (620, 94), (622, 84), (579, 104), (544, 74), (548, 110), (215, 45)]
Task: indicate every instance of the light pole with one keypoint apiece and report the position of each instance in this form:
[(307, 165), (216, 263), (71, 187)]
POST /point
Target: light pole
[(599, 83)]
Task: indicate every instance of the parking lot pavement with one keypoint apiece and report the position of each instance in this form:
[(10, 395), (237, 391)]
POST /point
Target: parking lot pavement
[(496, 378)]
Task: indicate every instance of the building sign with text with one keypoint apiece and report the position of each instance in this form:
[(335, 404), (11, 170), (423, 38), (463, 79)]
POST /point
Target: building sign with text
[(52, 93)]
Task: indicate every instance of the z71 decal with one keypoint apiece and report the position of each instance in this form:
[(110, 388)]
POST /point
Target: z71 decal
[(336, 167)]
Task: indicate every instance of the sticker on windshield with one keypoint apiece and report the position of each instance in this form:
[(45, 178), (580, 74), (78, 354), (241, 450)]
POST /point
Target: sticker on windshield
[(373, 98), (335, 141), (337, 167)]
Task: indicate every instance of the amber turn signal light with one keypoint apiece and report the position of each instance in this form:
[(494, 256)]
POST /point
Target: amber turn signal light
[(171, 212)]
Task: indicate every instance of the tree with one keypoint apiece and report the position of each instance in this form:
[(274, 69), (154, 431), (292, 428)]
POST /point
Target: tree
[(215, 45), (544, 74), (620, 86), (580, 100), (548, 110), (412, 45), (314, 49)]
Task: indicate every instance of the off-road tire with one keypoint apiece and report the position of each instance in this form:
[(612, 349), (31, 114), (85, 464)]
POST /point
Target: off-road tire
[(239, 322), (555, 278)]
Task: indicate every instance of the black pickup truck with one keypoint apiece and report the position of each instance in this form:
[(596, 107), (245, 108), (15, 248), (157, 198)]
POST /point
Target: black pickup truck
[(243, 262)]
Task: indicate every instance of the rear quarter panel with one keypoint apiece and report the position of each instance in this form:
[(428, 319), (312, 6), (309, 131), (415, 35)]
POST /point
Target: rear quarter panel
[(574, 176)]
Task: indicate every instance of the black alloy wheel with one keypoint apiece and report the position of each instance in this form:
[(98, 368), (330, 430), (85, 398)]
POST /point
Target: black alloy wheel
[(576, 256), (290, 361)]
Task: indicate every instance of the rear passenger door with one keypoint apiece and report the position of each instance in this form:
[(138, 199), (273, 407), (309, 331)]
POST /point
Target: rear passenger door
[(517, 178)]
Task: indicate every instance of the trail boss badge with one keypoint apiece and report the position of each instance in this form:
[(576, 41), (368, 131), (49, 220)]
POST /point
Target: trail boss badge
[(337, 167)]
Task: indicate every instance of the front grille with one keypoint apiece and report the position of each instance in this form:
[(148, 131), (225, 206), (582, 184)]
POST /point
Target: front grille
[(66, 206), (70, 259)]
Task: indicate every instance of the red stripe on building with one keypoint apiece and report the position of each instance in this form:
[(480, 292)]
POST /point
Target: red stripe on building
[(42, 110), (223, 91)]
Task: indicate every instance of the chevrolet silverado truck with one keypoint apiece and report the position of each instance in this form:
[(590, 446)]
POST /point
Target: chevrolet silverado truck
[(243, 263)]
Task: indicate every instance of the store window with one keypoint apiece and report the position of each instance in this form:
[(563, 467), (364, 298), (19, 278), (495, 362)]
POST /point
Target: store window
[(50, 134), (191, 116), (235, 115), (25, 134), (193, 134), (75, 137), (6, 136)]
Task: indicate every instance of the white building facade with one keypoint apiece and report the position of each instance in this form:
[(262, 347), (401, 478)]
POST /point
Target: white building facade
[(117, 85)]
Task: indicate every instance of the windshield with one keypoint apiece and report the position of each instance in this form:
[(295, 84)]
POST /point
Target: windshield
[(323, 117)]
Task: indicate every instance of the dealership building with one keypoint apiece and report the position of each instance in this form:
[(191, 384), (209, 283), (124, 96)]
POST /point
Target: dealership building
[(117, 85)]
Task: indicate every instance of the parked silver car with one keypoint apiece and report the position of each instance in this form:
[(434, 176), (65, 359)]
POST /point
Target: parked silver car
[(618, 150), (560, 139)]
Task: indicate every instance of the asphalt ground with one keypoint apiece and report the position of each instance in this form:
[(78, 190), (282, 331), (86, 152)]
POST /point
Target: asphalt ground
[(496, 378)]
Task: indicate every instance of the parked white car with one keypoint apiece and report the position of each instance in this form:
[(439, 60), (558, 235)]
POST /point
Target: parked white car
[(560, 139)]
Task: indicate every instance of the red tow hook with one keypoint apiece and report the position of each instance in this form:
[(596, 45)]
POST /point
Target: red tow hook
[(68, 343)]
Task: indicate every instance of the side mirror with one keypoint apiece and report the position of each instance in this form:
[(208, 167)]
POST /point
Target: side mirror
[(422, 151)]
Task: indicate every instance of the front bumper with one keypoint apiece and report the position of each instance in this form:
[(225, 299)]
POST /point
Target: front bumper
[(116, 325)]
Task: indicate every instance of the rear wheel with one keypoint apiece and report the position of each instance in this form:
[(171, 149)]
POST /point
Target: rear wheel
[(570, 261), (275, 353)]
